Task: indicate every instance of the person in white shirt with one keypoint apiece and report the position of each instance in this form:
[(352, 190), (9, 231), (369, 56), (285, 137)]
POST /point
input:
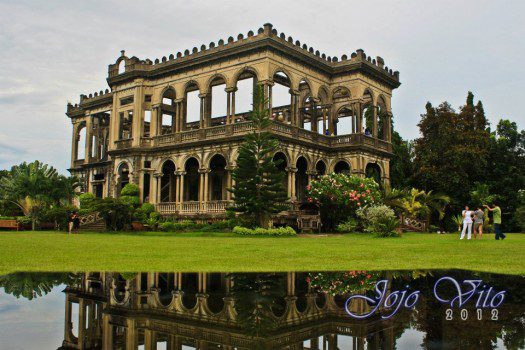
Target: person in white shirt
[(467, 223)]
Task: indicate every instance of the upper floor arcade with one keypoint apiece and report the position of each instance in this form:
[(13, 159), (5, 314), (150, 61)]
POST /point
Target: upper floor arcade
[(205, 96)]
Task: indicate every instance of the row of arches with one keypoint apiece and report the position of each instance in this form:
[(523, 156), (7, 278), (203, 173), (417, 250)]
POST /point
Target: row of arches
[(196, 182), (326, 112)]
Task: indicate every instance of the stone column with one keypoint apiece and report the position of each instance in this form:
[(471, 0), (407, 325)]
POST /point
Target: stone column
[(389, 127), (181, 188), (81, 323), (89, 131), (294, 107), (138, 116), (374, 124), (107, 333), (202, 172), (68, 325), (158, 194), (154, 123), (177, 188), (74, 145), (229, 181), (131, 335), (202, 111), (232, 117), (291, 183), (359, 109)]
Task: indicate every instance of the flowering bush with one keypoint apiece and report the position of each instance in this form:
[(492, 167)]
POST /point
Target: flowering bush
[(343, 283), (339, 195), (281, 231), (380, 220)]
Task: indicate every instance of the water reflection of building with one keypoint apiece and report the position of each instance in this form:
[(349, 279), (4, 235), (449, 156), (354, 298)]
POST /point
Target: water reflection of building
[(197, 310)]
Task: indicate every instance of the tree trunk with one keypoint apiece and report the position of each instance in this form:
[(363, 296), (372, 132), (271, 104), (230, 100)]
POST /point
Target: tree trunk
[(33, 224)]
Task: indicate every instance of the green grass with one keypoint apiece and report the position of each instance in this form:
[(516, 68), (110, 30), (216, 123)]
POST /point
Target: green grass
[(153, 251)]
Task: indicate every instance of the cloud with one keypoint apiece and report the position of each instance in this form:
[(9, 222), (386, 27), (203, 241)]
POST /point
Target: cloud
[(53, 51)]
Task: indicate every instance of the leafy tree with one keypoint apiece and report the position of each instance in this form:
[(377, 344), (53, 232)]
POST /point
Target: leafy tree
[(401, 166), (259, 190), (505, 171), (451, 154), (31, 285)]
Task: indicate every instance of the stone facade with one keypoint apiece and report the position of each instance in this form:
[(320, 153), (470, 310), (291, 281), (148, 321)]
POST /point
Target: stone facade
[(142, 129)]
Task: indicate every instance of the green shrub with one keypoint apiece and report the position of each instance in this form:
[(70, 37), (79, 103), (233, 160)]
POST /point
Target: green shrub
[(24, 220), (339, 195), (7, 218), (87, 201), (130, 190), (168, 226), (223, 225), (379, 220), (281, 231), (130, 195), (349, 225), (143, 212), (180, 226)]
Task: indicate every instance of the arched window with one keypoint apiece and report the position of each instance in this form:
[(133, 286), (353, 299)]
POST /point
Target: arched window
[(81, 142), (168, 188), (219, 98), (301, 179), (121, 66), (307, 106), (217, 181), (281, 97), (191, 180), (246, 83), (167, 110), (280, 159), (320, 168), (123, 176), (373, 171), (192, 106), (342, 167)]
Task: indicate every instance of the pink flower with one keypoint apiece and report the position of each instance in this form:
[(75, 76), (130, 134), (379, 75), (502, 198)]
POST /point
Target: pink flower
[(359, 203), (362, 185)]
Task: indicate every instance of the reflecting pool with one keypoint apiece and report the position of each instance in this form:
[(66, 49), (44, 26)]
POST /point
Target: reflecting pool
[(291, 310)]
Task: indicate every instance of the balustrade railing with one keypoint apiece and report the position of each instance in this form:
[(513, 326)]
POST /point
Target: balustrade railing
[(193, 207), (284, 129), (123, 144)]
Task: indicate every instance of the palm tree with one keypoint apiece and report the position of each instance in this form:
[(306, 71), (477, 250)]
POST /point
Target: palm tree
[(422, 204), (395, 198), (33, 186)]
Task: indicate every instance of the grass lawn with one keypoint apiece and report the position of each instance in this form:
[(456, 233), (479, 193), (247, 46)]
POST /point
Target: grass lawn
[(153, 251)]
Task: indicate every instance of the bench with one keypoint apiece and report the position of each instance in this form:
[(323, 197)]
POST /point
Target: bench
[(9, 224)]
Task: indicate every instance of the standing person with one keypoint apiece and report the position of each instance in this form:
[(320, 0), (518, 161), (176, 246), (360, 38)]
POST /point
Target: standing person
[(69, 222), (467, 223), (479, 216), (496, 218), (76, 222)]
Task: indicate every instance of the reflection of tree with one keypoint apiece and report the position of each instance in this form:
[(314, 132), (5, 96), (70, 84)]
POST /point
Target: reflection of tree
[(31, 285), (255, 295)]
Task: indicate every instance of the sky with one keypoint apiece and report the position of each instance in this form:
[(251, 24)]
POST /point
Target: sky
[(53, 51)]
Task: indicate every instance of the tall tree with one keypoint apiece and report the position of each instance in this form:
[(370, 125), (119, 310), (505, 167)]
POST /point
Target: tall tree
[(451, 154), (505, 171), (259, 190), (401, 166)]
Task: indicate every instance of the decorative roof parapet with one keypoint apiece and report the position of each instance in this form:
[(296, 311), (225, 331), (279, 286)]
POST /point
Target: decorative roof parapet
[(266, 30)]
